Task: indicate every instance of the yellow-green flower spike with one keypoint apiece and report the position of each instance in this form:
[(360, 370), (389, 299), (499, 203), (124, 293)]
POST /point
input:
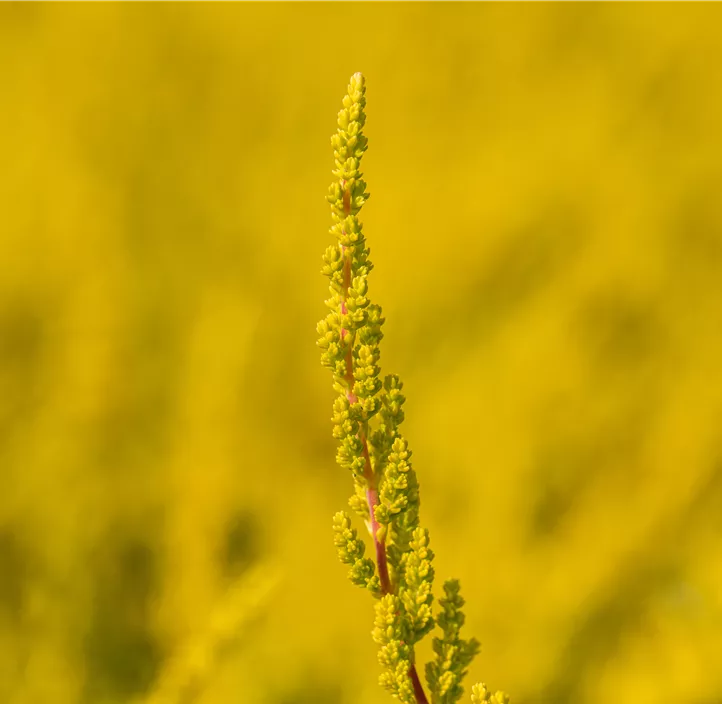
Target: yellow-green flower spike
[(398, 509), (453, 654), (367, 415), (395, 654), (392, 416), (351, 552), (415, 590)]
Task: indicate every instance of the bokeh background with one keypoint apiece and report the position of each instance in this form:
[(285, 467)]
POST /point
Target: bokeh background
[(546, 227)]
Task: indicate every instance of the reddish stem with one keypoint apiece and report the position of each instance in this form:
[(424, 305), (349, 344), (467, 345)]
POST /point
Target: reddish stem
[(372, 496), (418, 689)]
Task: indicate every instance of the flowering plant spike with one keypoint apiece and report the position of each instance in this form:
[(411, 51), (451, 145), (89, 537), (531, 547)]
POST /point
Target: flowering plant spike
[(367, 415)]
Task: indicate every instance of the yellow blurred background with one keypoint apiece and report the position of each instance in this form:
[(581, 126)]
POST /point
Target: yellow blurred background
[(546, 227)]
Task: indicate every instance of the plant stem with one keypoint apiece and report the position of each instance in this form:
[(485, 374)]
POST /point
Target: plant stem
[(372, 496), (418, 689)]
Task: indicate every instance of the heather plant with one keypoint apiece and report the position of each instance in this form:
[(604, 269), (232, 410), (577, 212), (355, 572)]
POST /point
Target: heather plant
[(367, 415)]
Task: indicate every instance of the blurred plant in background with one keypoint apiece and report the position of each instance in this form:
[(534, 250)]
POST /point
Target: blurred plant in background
[(188, 672), (554, 250)]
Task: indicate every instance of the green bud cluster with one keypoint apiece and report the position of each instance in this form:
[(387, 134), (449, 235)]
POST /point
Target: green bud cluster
[(395, 654), (398, 510), (453, 654), (367, 415), (480, 694), (415, 589), (351, 552)]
